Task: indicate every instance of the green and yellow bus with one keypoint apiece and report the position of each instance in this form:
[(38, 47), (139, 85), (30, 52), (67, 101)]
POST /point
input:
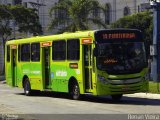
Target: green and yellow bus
[(100, 62)]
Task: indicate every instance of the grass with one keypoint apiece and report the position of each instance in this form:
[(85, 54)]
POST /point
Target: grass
[(154, 87)]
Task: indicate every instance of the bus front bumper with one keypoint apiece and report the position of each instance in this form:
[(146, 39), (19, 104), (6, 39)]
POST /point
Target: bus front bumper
[(111, 89)]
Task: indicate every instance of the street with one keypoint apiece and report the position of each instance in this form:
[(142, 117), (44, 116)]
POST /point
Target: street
[(13, 101)]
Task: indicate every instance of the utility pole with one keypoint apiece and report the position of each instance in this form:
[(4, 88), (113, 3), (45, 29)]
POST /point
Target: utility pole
[(155, 48)]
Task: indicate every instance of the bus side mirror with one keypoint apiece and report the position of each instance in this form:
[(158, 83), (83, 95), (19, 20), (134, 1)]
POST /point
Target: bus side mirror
[(95, 52)]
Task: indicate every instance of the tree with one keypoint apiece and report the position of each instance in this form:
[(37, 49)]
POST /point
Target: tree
[(26, 19), (5, 17), (5, 30), (76, 15), (142, 21)]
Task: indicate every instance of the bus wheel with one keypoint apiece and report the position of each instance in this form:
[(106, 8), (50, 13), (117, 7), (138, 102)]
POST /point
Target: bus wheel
[(75, 92), (117, 97), (27, 88)]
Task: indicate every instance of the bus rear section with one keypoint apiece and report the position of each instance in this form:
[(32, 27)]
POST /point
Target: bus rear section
[(121, 62)]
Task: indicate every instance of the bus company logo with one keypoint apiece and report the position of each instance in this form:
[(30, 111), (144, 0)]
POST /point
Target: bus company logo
[(26, 71), (35, 72), (45, 44), (61, 73), (86, 40)]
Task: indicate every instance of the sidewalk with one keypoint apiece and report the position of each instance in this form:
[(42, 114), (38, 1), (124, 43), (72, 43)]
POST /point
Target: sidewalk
[(144, 95), (2, 82)]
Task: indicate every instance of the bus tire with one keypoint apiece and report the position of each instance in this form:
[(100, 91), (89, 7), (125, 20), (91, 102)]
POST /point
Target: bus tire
[(75, 91), (27, 87), (117, 97)]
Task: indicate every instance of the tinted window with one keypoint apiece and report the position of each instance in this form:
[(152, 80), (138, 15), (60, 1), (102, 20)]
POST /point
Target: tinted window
[(35, 52), (121, 58), (59, 50), (25, 52), (8, 53), (73, 51)]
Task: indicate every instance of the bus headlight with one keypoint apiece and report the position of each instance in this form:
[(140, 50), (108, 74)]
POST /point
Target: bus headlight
[(102, 79)]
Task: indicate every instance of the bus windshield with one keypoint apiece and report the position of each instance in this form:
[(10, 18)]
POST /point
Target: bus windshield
[(121, 58)]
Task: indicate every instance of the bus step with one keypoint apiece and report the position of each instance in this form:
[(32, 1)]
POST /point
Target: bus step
[(89, 90), (87, 93), (49, 90)]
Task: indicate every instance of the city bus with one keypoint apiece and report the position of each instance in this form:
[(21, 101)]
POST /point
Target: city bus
[(98, 62)]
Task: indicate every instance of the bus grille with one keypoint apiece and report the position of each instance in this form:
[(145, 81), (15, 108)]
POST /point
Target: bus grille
[(125, 81), (125, 88)]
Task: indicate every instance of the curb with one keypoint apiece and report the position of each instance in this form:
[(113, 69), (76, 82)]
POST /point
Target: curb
[(136, 95), (144, 95), (2, 82)]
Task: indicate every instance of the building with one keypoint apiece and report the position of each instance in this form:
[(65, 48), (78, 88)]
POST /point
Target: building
[(115, 9)]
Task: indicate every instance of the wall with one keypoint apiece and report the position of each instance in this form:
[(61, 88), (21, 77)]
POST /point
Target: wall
[(1, 59)]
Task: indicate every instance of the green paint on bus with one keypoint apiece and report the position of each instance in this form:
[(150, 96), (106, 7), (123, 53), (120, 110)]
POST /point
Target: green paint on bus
[(100, 62)]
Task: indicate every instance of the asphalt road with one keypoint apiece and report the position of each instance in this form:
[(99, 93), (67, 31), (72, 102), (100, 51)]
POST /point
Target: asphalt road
[(58, 106)]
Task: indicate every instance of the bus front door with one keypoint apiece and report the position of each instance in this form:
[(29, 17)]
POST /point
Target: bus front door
[(46, 66), (88, 68), (14, 66)]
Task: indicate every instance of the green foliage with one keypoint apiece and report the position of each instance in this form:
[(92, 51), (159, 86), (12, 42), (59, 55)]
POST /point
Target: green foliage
[(78, 15), (5, 17), (141, 21), (26, 19), (154, 87)]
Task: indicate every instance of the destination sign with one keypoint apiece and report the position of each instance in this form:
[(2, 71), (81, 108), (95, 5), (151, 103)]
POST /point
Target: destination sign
[(118, 35), (46, 44), (87, 40), (13, 46)]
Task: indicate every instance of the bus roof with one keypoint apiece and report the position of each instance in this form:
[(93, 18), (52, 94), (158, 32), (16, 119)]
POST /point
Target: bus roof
[(66, 35)]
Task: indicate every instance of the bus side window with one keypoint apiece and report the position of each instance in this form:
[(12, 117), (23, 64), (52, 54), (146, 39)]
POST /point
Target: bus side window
[(35, 52), (86, 59), (8, 53), (73, 49), (59, 50), (25, 52)]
